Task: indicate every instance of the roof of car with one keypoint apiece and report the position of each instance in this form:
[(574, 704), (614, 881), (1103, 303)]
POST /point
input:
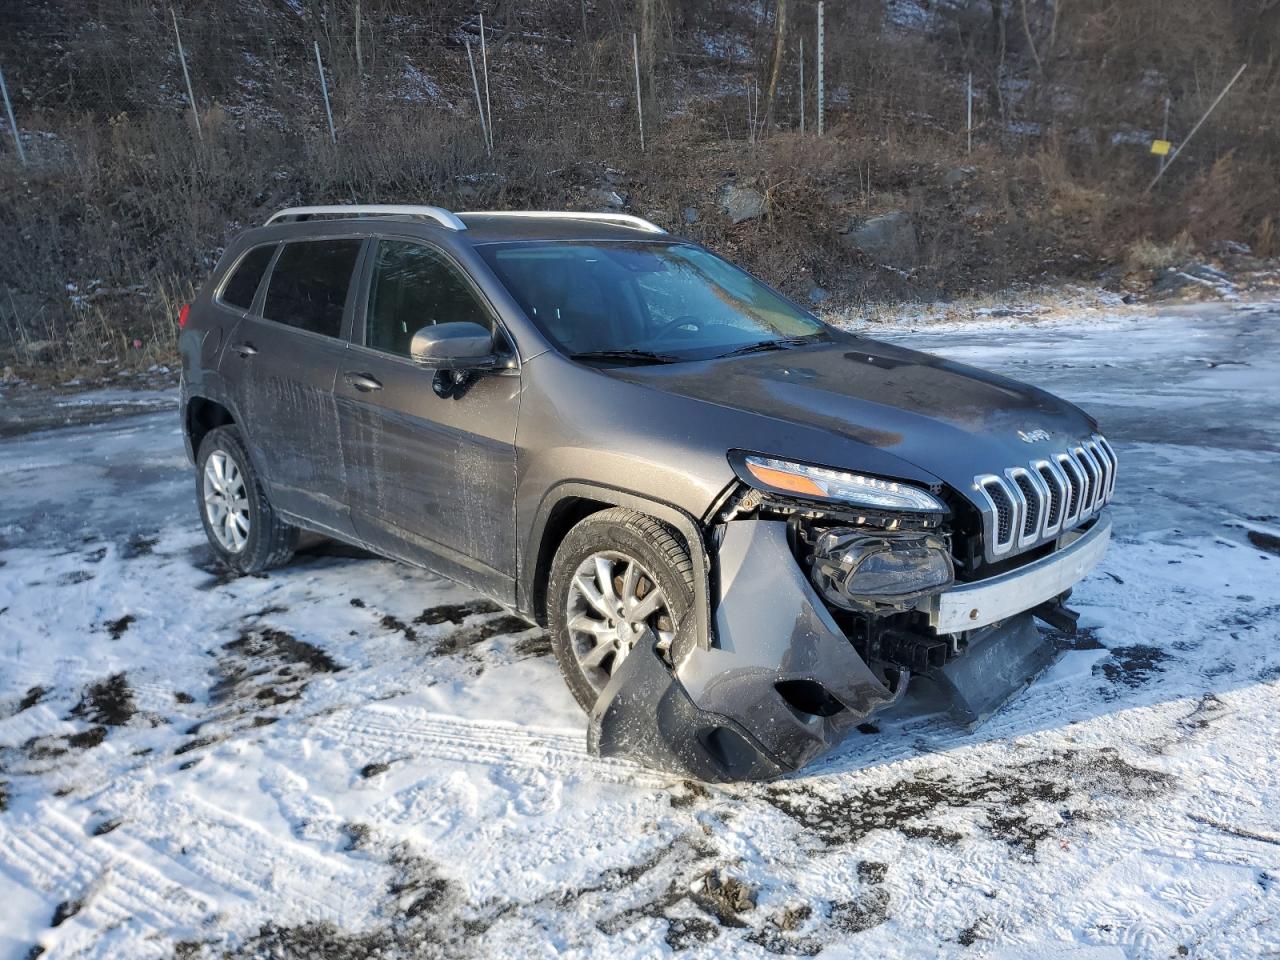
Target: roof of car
[(480, 226)]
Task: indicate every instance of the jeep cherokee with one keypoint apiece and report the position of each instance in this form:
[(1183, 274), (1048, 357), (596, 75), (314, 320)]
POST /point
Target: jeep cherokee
[(744, 529)]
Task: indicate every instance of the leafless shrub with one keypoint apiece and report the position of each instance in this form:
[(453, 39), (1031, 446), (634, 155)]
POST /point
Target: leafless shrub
[(1148, 254), (123, 210)]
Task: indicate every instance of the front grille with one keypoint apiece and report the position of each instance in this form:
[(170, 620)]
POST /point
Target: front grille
[(1027, 505)]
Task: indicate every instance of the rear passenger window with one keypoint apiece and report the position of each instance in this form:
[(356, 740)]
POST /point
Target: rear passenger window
[(413, 287), (308, 287), (243, 284)]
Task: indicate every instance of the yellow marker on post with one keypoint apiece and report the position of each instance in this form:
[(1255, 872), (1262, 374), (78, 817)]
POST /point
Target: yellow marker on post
[(1161, 148)]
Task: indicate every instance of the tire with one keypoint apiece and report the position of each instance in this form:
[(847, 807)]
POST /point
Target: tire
[(269, 541), (618, 536)]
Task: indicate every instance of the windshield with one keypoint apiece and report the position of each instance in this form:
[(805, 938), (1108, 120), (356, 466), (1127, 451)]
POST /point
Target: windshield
[(657, 302)]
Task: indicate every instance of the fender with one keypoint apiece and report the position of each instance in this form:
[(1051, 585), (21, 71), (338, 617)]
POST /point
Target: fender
[(212, 389), (682, 522)]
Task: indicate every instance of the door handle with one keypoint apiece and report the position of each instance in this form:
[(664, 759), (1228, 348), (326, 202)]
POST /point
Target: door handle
[(362, 382), (245, 349)]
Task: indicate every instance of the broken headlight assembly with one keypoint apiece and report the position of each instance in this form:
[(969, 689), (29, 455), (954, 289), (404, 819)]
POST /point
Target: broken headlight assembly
[(880, 563), (824, 483), (878, 572)]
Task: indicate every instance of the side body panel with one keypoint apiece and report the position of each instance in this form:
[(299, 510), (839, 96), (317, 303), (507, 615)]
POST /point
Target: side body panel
[(431, 479), (280, 379), (284, 394)]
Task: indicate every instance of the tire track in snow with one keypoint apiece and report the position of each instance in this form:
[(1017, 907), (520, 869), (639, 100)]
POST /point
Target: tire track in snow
[(230, 854), (386, 734), (199, 855), (54, 855), (907, 738), (1194, 839)]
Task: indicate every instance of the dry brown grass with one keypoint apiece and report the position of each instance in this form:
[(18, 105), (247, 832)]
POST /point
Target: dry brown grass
[(1148, 254)]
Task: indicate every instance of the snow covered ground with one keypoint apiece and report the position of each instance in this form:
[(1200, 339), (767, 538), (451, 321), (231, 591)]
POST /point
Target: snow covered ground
[(349, 758)]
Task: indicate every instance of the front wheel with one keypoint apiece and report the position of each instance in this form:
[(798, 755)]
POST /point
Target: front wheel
[(617, 575), (243, 529)]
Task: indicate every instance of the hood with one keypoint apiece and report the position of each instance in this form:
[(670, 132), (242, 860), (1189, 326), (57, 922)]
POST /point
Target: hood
[(950, 420)]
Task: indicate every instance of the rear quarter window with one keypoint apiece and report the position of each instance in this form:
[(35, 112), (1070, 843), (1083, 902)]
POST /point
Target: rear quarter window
[(308, 286), (240, 288)]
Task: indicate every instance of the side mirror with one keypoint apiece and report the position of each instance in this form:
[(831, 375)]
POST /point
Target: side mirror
[(461, 345)]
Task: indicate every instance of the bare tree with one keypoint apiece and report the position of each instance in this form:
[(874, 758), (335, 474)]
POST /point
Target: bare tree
[(779, 41), (999, 45), (654, 32), (356, 33), (1031, 41)]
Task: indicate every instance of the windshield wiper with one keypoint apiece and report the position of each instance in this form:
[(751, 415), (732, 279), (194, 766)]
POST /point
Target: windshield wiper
[(625, 356), (766, 345)]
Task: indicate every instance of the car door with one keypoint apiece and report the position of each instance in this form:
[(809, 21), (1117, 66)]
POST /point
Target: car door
[(282, 359), (430, 478)]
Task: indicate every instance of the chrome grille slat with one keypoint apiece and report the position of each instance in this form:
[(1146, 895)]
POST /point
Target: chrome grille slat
[(1075, 484), (998, 517), (1094, 487), (1089, 472), (1029, 504), (1115, 463), (1104, 466), (1033, 504), (1020, 511), (1055, 482)]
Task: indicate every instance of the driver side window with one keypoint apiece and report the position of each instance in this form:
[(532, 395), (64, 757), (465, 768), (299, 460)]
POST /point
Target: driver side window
[(412, 287)]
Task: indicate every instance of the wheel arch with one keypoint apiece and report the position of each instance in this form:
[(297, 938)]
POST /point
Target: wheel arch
[(567, 504), (202, 415)]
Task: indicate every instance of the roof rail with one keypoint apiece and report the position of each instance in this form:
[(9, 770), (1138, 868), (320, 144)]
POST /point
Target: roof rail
[(438, 214), (622, 219)]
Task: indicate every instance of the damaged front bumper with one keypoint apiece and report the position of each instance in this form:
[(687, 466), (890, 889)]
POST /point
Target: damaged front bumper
[(782, 682)]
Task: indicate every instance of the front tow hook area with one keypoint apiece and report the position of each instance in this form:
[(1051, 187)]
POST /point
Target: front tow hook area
[(779, 685), (645, 715), (1000, 662), (1061, 618)]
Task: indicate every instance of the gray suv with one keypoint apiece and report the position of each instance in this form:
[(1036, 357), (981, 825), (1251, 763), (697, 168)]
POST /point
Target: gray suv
[(744, 529)]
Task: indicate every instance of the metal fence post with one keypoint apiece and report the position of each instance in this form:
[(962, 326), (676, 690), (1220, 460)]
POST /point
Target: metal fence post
[(182, 58), (324, 89), (1164, 134), (821, 73), (968, 109), (475, 85), (484, 63), (802, 84), (635, 54), (13, 124)]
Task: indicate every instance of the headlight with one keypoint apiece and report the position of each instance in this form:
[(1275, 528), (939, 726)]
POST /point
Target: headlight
[(801, 480), (874, 571)]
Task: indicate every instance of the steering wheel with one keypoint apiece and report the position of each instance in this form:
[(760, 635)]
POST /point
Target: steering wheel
[(688, 320)]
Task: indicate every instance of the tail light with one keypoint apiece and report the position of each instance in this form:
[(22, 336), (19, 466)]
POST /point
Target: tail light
[(183, 314)]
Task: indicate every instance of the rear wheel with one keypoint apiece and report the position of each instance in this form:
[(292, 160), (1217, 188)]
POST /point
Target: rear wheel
[(616, 576), (243, 529)]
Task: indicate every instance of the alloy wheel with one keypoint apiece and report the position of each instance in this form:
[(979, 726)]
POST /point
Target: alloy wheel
[(613, 600), (226, 501)]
